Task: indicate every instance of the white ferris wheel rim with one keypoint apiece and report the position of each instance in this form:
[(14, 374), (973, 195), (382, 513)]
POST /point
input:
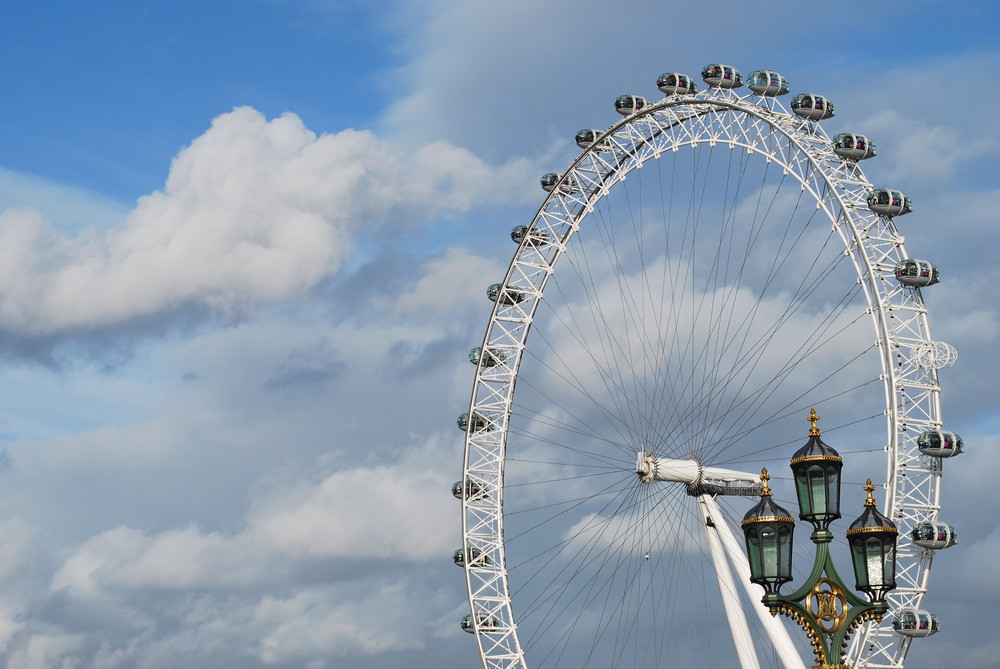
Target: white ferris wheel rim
[(838, 187)]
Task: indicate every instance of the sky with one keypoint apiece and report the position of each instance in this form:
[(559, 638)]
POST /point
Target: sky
[(244, 249)]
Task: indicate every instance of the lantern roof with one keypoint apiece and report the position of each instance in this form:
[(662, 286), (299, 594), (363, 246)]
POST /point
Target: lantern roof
[(871, 521), (815, 448), (766, 510)]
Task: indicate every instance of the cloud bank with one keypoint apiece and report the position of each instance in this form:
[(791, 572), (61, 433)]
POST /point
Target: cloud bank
[(253, 211)]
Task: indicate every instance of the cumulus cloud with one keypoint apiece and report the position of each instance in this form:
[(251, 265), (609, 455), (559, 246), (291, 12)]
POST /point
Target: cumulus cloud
[(455, 277), (394, 511), (254, 210), (319, 567), (912, 136), (45, 651), (313, 623)]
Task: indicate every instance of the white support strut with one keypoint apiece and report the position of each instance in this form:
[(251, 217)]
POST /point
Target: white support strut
[(734, 610), (772, 625)]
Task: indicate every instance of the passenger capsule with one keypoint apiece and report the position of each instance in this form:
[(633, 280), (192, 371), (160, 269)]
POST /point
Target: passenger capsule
[(722, 76), (626, 105), (674, 83), (853, 147), (918, 273), (505, 296), (473, 489), (477, 423), (915, 623), (766, 82), (940, 444), (486, 624), (552, 180), (478, 558), (812, 107), (935, 536), (491, 358), (889, 202), (534, 237), (588, 137)]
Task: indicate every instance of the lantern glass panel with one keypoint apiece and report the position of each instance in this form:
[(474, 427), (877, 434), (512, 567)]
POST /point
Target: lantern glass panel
[(874, 565), (818, 491), (785, 555), (770, 557), (754, 553), (769, 549)]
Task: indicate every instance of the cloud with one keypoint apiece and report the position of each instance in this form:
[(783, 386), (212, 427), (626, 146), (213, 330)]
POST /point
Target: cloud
[(63, 205), (397, 511), (47, 651), (912, 137), (456, 276), (314, 624), (253, 211), (309, 369), (370, 512), (320, 566)]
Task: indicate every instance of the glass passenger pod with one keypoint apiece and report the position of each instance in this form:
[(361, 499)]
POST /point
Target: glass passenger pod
[(477, 558), (675, 83), (918, 273), (853, 147), (477, 423), (626, 105), (915, 623), (766, 82), (935, 536), (940, 444), (535, 237), (492, 358), (487, 623), (553, 180), (587, 137), (508, 296), (888, 202), (812, 107), (473, 489), (721, 76)]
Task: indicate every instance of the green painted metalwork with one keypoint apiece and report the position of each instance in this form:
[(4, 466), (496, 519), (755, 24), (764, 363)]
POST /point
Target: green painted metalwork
[(825, 607)]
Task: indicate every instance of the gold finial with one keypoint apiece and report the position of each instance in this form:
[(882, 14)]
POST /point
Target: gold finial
[(869, 488), (765, 491), (813, 418)]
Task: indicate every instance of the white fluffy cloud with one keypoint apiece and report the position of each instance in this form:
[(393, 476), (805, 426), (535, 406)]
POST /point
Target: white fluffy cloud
[(253, 210), (397, 511)]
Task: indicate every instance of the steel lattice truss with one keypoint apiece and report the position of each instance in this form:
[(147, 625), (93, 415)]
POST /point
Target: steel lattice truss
[(756, 125)]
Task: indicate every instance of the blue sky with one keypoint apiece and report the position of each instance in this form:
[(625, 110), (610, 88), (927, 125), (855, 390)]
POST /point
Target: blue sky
[(239, 241), (121, 96)]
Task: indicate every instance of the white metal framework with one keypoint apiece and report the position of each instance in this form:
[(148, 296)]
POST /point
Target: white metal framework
[(719, 274)]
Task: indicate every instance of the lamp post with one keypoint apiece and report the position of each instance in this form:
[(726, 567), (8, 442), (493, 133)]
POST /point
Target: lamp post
[(824, 606)]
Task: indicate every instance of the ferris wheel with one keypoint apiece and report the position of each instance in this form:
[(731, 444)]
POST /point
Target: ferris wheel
[(706, 271)]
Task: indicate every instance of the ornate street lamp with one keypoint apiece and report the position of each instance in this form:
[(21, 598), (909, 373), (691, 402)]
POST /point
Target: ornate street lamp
[(768, 531), (872, 539), (824, 606), (816, 468)]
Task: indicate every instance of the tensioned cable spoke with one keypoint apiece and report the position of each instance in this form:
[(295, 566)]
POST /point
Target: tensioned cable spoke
[(628, 392), (701, 305)]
